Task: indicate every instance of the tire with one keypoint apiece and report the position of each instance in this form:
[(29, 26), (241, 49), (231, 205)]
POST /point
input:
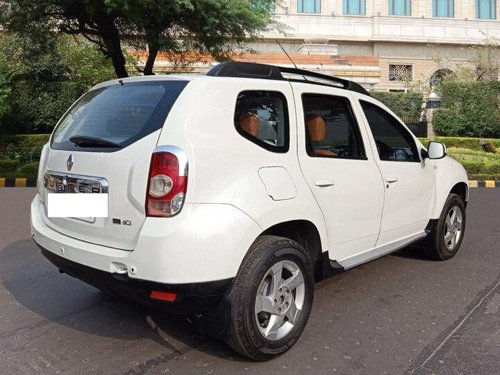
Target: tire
[(446, 237), (256, 332)]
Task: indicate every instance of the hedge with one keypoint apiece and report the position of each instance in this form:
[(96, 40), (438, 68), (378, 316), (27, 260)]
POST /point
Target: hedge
[(463, 142), (23, 147), (404, 104), (28, 170), (36, 107), (8, 166), (469, 109)]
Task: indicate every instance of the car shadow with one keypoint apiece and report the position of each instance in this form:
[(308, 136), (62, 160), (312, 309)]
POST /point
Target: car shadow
[(36, 285)]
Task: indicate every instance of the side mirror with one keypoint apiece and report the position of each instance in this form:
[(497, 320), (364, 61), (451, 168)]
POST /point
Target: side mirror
[(436, 150)]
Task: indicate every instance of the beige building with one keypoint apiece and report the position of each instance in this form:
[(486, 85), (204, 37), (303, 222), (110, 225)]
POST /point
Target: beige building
[(411, 40), (382, 44)]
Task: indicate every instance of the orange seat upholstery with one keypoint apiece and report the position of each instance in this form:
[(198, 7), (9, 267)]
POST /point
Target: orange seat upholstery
[(316, 127), (249, 123)]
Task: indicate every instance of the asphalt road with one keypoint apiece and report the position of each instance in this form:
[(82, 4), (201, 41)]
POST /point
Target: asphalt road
[(398, 314)]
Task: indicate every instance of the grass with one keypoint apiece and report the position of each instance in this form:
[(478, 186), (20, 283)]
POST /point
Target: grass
[(479, 165)]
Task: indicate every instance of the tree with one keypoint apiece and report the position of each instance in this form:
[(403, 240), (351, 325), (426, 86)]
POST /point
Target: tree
[(43, 76), (216, 27), (481, 62)]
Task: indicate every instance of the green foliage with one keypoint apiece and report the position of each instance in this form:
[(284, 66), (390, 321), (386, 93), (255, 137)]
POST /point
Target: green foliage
[(37, 106), (5, 91), (23, 148), (85, 65), (214, 26), (46, 75), (469, 109), (462, 142), (8, 166), (404, 104), (480, 165), (28, 170), (477, 163)]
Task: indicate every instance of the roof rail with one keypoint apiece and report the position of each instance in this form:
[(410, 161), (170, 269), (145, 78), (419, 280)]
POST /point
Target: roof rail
[(263, 71)]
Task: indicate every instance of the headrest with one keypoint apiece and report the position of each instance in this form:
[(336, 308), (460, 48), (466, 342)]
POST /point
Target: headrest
[(316, 126), (249, 122)]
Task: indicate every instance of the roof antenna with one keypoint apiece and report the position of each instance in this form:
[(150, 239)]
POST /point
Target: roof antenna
[(287, 55)]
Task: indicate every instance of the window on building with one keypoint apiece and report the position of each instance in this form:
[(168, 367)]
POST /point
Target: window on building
[(309, 6), (400, 7), (354, 7), (443, 8), (486, 9), (398, 72)]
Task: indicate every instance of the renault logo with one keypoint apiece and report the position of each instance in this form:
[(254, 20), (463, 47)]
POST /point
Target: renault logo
[(70, 162)]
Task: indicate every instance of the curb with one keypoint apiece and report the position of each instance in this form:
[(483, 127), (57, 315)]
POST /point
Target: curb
[(484, 183), (31, 182), (17, 182)]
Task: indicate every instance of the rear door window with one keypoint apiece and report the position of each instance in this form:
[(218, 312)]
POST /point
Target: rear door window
[(113, 117), (331, 128)]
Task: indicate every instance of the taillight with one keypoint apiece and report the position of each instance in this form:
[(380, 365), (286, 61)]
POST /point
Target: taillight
[(167, 185)]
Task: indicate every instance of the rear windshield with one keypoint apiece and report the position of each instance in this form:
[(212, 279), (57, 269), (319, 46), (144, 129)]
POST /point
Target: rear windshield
[(119, 115)]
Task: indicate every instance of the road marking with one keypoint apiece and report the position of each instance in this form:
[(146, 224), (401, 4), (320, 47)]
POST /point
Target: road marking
[(454, 330)]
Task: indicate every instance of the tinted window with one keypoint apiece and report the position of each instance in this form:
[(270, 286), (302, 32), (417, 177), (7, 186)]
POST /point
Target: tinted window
[(393, 141), (331, 130), (121, 114), (262, 117)]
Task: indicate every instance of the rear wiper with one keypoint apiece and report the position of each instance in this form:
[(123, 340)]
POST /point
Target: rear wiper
[(84, 141)]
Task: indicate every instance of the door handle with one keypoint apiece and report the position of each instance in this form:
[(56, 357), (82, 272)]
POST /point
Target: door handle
[(391, 179), (324, 182)]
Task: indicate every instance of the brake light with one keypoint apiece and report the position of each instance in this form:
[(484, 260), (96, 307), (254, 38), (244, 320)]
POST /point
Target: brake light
[(167, 185)]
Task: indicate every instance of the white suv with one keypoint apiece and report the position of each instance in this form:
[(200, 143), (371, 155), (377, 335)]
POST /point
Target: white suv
[(230, 194)]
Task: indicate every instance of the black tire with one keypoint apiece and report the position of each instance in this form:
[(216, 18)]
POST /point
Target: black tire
[(266, 252), (435, 246)]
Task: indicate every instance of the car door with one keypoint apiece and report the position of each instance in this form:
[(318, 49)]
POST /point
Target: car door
[(339, 169), (409, 181)]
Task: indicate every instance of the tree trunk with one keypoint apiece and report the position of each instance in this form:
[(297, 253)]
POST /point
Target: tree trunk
[(111, 39), (150, 62)]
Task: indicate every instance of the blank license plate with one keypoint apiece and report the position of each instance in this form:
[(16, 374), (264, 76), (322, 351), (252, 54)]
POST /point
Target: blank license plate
[(82, 206)]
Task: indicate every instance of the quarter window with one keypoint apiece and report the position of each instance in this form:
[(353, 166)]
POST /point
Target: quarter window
[(331, 130), (262, 117), (394, 142)]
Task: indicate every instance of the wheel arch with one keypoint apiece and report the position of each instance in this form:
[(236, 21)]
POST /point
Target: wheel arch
[(305, 233), (450, 178), (462, 190)]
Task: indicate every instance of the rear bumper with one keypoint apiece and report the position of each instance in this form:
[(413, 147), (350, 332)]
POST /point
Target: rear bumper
[(203, 244), (190, 298)]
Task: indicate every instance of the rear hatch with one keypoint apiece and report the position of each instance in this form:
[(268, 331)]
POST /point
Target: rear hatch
[(103, 144)]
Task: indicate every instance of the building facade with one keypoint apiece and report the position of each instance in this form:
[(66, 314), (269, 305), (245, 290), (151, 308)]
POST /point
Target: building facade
[(402, 41)]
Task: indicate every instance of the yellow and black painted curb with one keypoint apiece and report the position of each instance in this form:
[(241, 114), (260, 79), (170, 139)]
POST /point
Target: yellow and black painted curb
[(17, 182), (31, 182), (484, 183)]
